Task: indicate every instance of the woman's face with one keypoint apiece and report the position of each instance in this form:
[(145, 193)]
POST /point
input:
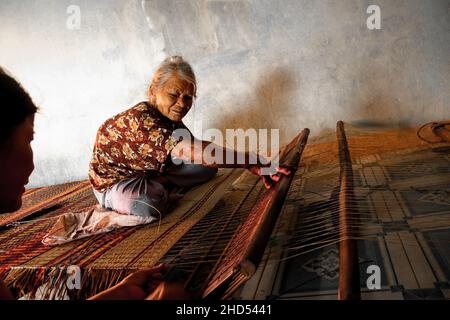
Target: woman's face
[(16, 165), (174, 99)]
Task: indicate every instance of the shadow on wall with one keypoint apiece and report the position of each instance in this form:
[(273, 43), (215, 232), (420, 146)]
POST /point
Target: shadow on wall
[(376, 105), (381, 111), (268, 106)]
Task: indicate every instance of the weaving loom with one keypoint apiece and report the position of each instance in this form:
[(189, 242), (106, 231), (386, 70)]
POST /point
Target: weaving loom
[(397, 217), (219, 230), (105, 259)]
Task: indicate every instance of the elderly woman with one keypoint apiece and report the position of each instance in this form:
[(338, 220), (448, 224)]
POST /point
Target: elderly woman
[(131, 168), (16, 165)]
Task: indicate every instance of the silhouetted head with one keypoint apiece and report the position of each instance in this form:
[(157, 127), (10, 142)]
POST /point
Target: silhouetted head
[(16, 134)]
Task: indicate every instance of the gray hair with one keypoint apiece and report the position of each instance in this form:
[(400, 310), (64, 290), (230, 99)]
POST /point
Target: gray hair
[(167, 68)]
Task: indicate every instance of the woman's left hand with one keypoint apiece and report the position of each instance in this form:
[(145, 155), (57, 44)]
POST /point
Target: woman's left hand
[(272, 179)]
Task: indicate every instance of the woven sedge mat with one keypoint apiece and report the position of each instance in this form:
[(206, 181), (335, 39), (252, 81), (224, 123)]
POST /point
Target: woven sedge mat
[(362, 143), (26, 263), (45, 199)]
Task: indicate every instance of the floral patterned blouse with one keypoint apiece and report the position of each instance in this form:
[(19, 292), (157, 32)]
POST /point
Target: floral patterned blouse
[(133, 142)]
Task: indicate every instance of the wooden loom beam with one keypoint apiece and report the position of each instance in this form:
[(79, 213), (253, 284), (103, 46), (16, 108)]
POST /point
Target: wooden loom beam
[(349, 286), (241, 263), (274, 199)]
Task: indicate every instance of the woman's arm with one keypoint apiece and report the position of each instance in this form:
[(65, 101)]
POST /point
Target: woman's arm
[(212, 155), (215, 156)]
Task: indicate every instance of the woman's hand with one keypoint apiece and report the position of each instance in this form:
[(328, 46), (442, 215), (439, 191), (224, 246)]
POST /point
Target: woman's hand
[(272, 179), (137, 286), (170, 291)]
